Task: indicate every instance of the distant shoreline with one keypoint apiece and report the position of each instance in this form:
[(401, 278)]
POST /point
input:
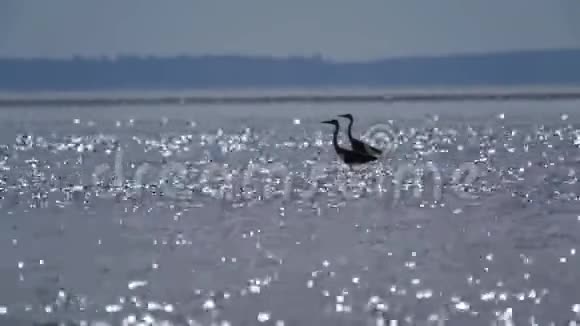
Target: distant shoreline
[(521, 68), (92, 99)]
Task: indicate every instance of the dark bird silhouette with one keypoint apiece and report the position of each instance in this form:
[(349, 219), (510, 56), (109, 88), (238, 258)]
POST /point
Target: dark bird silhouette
[(356, 144), (347, 156)]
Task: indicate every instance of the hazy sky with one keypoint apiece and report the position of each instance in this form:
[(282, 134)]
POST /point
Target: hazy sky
[(339, 29)]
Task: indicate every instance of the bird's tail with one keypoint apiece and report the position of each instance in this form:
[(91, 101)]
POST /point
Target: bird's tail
[(372, 150)]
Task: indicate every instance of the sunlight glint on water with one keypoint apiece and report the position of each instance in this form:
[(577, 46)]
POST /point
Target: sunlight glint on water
[(226, 215)]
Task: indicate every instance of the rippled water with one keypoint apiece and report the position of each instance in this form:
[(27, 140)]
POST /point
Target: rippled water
[(242, 216)]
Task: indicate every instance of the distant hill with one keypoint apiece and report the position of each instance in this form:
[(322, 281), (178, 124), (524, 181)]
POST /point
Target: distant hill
[(533, 68)]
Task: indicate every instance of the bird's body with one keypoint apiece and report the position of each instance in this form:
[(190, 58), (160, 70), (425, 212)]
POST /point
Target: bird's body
[(347, 156), (358, 145)]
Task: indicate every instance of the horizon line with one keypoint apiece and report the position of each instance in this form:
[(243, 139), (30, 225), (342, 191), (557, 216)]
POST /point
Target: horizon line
[(313, 98)]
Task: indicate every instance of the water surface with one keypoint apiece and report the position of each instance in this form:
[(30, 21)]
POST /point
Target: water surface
[(225, 243)]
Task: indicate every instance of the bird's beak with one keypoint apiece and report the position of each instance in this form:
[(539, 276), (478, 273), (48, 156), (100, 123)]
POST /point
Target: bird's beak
[(327, 121)]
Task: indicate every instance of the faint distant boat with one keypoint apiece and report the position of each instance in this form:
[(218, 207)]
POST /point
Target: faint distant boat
[(350, 157), (358, 145)]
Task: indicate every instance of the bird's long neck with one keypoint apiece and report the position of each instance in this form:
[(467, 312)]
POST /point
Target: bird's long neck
[(335, 139), (351, 121)]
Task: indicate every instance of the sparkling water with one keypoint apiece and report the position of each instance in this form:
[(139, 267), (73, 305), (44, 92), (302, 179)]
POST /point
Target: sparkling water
[(243, 215)]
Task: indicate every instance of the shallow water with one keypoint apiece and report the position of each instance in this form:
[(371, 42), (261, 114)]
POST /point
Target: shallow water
[(234, 215)]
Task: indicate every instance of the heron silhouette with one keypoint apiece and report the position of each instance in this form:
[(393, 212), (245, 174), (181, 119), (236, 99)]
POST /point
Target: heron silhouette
[(358, 145), (350, 157)]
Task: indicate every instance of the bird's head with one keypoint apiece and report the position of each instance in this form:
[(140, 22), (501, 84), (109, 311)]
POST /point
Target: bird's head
[(348, 116), (331, 122)]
